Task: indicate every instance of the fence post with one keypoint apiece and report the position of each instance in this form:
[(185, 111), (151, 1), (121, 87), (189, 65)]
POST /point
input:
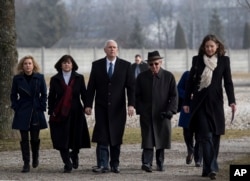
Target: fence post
[(248, 60), (165, 58), (142, 53), (94, 53), (186, 59), (42, 59)]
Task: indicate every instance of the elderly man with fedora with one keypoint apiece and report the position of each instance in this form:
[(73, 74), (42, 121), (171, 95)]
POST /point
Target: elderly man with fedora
[(156, 102)]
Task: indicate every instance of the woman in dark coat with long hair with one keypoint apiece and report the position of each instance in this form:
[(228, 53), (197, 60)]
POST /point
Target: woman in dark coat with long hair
[(68, 125), (209, 68), (28, 100)]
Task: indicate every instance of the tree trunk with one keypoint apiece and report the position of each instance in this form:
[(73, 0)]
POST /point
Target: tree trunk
[(8, 59)]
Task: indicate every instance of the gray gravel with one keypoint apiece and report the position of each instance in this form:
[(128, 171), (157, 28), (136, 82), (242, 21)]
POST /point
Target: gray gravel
[(51, 166)]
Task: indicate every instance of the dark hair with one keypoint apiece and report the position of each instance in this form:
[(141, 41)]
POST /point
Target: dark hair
[(58, 65), (221, 49), (137, 55)]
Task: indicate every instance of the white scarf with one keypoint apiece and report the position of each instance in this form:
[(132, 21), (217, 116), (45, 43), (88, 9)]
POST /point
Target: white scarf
[(206, 76)]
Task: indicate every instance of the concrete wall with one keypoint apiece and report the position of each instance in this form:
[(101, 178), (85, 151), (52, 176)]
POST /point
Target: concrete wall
[(174, 60)]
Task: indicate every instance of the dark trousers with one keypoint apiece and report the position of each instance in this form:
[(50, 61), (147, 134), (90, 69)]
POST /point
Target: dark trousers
[(193, 148), (210, 143), (148, 154), (104, 151)]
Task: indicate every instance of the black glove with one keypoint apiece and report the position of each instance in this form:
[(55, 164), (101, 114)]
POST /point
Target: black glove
[(167, 115)]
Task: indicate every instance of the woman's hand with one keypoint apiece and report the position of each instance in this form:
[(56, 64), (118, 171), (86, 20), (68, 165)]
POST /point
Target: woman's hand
[(186, 109)]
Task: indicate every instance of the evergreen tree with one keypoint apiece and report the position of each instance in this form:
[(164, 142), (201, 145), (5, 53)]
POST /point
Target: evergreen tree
[(246, 38), (136, 36), (180, 40), (215, 25)]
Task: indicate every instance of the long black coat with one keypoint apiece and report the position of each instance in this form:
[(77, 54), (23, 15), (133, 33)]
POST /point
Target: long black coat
[(212, 97), (110, 100), (153, 96), (72, 133), (28, 99)]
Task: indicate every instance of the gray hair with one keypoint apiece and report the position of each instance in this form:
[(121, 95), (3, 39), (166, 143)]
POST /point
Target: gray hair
[(108, 41)]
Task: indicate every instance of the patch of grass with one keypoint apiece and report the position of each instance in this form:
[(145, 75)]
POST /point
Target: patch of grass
[(131, 136)]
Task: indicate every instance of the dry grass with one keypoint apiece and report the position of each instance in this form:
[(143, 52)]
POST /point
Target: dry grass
[(131, 136)]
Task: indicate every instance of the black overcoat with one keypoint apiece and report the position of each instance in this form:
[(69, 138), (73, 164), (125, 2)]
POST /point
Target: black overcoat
[(212, 96), (143, 67), (155, 94), (110, 100), (72, 133), (28, 99)]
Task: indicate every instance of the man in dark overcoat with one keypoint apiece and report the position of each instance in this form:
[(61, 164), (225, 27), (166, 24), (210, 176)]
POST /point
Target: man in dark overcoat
[(156, 102), (110, 80), (139, 65)]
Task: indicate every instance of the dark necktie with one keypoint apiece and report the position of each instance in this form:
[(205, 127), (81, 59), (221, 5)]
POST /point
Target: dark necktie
[(110, 71)]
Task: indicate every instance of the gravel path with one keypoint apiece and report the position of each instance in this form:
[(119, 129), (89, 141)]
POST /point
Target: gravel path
[(50, 167)]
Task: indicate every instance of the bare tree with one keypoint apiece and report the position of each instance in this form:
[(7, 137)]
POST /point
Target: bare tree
[(8, 58), (244, 3)]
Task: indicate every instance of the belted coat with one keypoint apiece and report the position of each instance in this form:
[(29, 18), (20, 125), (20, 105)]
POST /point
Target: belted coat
[(28, 100)]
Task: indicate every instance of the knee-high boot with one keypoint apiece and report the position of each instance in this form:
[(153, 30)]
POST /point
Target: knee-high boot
[(26, 155), (35, 144), (74, 157), (66, 160)]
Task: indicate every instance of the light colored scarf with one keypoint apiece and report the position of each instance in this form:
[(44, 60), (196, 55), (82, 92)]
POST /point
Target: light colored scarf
[(206, 76)]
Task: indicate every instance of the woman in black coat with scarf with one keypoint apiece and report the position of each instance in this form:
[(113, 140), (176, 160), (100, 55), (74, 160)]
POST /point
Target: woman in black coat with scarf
[(68, 125), (28, 100), (209, 68)]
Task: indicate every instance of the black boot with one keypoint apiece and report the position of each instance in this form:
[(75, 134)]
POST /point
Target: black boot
[(66, 160), (35, 144), (75, 159), (26, 155)]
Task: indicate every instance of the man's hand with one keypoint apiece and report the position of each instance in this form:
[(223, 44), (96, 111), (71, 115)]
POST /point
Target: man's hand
[(131, 110), (88, 110)]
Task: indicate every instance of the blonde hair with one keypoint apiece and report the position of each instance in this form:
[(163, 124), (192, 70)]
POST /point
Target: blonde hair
[(19, 68)]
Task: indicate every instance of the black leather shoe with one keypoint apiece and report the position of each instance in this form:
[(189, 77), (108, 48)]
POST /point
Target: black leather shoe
[(100, 169), (67, 168), (115, 169), (26, 168), (212, 175), (198, 164), (160, 168), (189, 159), (146, 168)]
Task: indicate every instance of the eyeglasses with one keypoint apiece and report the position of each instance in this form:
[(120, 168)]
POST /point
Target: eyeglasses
[(156, 63)]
